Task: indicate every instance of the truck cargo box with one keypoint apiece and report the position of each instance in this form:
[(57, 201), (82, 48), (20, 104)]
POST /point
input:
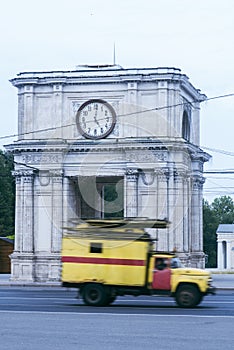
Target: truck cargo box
[(104, 260)]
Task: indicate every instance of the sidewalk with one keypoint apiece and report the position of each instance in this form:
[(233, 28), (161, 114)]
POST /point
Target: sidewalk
[(221, 280), (5, 280)]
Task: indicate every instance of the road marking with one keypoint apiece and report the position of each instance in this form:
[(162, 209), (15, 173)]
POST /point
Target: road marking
[(112, 314), (117, 302)]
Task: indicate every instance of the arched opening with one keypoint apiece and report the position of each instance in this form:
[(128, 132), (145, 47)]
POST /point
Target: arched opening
[(224, 254), (186, 126)]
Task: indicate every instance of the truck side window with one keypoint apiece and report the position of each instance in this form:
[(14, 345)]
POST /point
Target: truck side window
[(160, 264), (176, 263), (95, 247)]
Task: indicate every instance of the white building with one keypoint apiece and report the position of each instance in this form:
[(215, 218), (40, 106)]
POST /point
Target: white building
[(225, 239), (101, 141)]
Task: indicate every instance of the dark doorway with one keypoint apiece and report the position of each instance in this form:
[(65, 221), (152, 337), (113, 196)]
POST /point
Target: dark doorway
[(100, 197)]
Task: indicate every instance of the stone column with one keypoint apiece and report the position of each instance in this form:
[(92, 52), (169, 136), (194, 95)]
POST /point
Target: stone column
[(131, 202), (169, 172), (162, 207), (57, 210), (66, 202), (196, 222), (179, 212), (186, 217), (220, 259), (22, 259), (18, 211), (229, 252), (28, 217)]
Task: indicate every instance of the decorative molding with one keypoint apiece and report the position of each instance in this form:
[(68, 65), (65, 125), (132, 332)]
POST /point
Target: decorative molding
[(42, 158), (75, 106), (147, 177), (44, 177), (146, 155)]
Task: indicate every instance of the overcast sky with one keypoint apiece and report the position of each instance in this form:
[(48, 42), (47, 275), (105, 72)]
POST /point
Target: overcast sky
[(195, 36)]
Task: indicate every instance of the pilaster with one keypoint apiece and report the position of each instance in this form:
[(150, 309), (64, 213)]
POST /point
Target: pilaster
[(179, 210), (197, 255), (162, 209), (57, 209), (131, 205)]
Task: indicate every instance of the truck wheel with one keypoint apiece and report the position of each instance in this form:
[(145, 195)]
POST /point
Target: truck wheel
[(187, 296), (94, 295)]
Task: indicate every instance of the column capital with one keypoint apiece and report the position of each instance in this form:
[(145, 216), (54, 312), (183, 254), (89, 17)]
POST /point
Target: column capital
[(163, 173), (198, 182), (25, 174), (132, 174), (56, 175)]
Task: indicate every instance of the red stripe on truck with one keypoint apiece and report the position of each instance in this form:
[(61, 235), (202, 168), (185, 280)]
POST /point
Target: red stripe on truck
[(105, 261)]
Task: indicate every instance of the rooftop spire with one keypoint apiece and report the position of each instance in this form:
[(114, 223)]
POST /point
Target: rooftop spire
[(114, 55)]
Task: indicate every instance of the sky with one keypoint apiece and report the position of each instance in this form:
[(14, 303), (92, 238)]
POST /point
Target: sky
[(195, 36)]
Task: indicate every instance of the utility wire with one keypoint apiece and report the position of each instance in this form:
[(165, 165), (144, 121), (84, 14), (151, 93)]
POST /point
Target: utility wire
[(227, 153), (124, 115)]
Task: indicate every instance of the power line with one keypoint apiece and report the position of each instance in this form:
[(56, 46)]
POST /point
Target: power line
[(228, 153), (219, 172), (125, 115)]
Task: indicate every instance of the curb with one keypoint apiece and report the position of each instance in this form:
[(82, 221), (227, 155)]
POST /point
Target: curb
[(58, 285), (40, 285)]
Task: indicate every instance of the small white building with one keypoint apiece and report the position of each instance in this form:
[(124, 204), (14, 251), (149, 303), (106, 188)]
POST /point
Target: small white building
[(225, 239)]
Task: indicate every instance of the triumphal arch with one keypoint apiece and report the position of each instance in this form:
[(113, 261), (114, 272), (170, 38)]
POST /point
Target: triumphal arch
[(100, 142)]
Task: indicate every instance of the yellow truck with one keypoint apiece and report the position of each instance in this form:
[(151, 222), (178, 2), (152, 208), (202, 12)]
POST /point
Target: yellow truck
[(108, 258)]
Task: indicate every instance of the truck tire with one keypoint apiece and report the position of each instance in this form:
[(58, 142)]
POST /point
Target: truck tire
[(94, 294), (188, 296)]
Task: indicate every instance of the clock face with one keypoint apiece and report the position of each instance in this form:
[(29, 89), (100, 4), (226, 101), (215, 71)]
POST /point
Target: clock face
[(96, 119)]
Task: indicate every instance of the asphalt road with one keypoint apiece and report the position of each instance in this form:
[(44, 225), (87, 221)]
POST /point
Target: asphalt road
[(52, 318)]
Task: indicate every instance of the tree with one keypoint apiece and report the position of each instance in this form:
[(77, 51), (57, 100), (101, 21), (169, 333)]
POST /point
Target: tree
[(7, 194), (210, 224), (220, 211), (223, 208)]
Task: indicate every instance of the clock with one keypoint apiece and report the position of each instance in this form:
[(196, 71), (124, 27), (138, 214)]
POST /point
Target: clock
[(95, 119)]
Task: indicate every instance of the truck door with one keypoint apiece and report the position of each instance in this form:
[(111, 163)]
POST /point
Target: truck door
[(161, 274)]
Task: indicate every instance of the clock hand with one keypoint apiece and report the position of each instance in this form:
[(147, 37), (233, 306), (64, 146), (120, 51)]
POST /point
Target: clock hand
[(95, 118)]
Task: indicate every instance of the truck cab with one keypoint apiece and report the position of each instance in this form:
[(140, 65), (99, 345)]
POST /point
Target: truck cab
[(187, 285)]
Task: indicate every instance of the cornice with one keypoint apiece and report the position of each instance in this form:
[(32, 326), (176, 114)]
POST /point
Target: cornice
[(197, 154), (111, 75), (110, 144)]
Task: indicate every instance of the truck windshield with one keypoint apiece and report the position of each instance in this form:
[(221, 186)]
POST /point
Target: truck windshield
[(176, 263)]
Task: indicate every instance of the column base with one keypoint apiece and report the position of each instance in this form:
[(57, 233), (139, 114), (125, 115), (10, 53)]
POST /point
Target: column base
[(194, 259), (30, 267)]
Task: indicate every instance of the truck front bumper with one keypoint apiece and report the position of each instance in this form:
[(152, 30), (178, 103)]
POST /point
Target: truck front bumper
[(211, 290)]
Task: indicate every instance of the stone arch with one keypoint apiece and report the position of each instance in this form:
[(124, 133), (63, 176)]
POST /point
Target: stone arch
[(186, 126)]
